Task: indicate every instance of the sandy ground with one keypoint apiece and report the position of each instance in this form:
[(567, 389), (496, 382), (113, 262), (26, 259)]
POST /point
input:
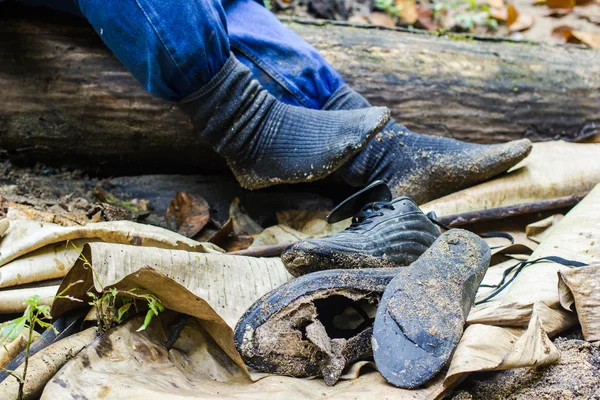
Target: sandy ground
[(575, 376)]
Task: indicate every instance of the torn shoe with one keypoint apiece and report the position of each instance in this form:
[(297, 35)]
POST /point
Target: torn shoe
[(267, 142), (383, 234), (421, 316), (315, 325), (421, 166)]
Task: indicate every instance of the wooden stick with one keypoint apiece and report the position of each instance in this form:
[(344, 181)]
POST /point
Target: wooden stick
[(262, 251), (452, 221), (493, 214)]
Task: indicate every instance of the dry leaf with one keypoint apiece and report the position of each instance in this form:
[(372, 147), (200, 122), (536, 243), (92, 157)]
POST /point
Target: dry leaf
[(522, 23), (243, 224), (33, 252), (581, 286), (195, 368), (511, 14), (12, 301), (562, 33), (189, 213), (588, 38), (560, 3), (358, 19), (558, 12), (380, 18), (425, 17), (277, 234), (407, 11), (553, 169), (575, 237), (8, 351), (508, 14)]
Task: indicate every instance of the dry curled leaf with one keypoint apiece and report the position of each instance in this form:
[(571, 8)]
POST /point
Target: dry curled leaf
[(560, 3), (379, 18), (189, 213), (567, 34), (587, 38), (562, 33), (407, 11), (558, 12), (425, 17), (242, 223), (522, 23), (511, 14)]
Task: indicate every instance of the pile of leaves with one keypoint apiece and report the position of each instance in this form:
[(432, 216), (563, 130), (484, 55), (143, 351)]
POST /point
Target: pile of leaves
[(481, 17)]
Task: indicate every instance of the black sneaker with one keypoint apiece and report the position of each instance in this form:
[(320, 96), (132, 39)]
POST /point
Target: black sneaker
[(384, 234)]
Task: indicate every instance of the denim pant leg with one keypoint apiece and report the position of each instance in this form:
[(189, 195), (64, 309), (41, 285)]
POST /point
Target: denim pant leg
[(285, 64), (172, 47)]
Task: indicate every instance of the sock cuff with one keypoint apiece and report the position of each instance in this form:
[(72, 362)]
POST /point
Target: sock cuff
[(230, 65), (346, 99)]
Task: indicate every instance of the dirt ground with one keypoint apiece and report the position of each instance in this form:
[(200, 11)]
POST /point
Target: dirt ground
[(575, 376)]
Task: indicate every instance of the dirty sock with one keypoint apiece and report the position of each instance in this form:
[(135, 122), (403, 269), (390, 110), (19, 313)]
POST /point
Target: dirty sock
[(267, 142), (421, 315), (421, 166)]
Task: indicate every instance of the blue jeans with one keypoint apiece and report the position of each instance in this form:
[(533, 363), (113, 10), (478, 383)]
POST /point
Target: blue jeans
[(175, 47)]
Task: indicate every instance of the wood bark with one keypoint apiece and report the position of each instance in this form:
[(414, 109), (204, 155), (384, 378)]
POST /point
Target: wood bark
[(66, 98)]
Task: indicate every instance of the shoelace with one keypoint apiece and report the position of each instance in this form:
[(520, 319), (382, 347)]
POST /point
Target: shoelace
[(432, 217), (369, 211), (518, 267)]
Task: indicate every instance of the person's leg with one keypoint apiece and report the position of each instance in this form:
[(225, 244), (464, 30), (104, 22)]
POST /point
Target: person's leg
[(179, 51), (173, 48), (285, 64), (421, 166)]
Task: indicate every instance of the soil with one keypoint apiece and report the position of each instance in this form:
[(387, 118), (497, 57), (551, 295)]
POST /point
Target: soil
[(575, 376)]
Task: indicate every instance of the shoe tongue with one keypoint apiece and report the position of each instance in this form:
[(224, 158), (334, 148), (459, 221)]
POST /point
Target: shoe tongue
[(376, 191)]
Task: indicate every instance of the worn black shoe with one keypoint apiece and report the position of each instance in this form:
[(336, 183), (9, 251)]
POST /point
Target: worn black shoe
[(422, 313), (384, 234), (314, 325)]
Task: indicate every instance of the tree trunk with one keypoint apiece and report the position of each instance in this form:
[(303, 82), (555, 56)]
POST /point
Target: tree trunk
[(66, 99)]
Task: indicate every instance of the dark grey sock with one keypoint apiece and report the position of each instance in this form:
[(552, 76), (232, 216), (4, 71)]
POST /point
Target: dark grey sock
[(421, 166), (267, 142)]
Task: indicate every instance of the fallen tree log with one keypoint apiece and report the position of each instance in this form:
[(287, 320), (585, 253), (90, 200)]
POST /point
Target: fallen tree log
[(65, 97)]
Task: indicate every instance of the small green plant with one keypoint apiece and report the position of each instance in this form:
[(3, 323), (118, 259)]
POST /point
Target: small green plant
[(37, 313), (389, 7), (34, 316), (467, 14), (109, 312)]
